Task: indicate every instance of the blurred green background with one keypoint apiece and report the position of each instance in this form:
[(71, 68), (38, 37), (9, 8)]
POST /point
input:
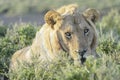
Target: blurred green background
[(26, 6), (33, 6), (32, 11)]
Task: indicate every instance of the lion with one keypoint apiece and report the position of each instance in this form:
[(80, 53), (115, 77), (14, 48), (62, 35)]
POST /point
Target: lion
[(75, 34)]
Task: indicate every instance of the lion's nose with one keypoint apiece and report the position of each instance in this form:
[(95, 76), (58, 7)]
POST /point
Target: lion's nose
[(81, 52)]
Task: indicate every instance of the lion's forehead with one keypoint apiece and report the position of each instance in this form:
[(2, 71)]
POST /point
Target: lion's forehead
[(75, 22)]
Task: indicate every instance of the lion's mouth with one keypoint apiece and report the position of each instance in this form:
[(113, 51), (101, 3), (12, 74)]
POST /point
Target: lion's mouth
[(80, 60), (83, 59), (82, 56)]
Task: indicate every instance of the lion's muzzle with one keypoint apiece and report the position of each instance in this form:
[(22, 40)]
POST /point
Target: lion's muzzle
[(81, 53)]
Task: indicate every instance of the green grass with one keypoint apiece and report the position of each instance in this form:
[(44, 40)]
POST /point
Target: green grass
[(107, 67)]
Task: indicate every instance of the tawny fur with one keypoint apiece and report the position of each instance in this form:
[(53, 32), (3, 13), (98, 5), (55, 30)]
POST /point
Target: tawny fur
[(51, 38), (67, 9)]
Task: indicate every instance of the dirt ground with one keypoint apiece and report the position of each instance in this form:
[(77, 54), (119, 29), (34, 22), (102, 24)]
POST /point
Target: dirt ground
[(37, 19)]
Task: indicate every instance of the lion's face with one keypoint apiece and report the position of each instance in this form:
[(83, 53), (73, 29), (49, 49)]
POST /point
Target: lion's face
[(76, 35)]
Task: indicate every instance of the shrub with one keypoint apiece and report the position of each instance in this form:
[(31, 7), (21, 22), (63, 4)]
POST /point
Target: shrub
[(104, 68), (3, 30), (111, 22), (108, 44), (109, 31), (107, 67), (16, 38)]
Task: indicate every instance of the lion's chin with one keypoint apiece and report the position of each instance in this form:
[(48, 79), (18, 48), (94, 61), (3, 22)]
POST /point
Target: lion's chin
[(83, 59), (80, 61)]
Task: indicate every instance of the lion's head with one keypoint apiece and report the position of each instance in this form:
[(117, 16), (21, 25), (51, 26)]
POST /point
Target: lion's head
[(73, 33)]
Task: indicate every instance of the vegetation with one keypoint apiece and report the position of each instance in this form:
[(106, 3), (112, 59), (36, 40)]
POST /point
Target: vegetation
[(17, 36), (107, 67)]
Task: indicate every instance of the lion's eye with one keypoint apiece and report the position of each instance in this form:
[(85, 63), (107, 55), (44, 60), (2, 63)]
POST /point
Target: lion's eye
[(86, 31), (68, 35)]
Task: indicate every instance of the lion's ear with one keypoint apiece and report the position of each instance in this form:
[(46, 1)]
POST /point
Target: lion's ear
[(91, 14), (52, 17)]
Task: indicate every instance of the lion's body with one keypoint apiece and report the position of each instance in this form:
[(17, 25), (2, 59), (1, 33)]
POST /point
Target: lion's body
[(71, 33)]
